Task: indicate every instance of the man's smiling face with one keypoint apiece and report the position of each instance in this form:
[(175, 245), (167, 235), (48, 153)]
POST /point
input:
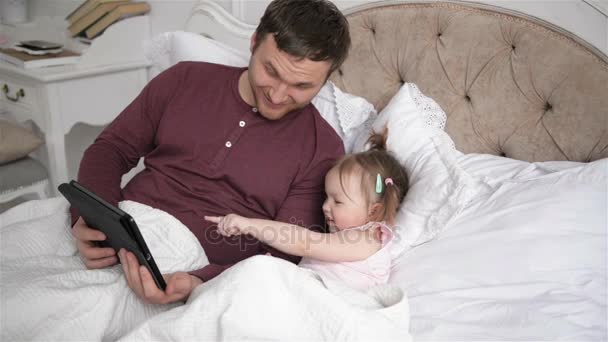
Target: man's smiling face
[(280, 83)]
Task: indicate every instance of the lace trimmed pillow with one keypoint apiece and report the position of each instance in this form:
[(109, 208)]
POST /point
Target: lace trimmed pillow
[(345, 112), (439, 188)]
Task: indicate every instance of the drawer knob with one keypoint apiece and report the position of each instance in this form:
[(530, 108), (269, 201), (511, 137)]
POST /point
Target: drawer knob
[(19, 94)]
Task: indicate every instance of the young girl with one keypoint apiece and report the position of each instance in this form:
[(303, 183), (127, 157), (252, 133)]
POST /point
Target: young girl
[(364, 191)]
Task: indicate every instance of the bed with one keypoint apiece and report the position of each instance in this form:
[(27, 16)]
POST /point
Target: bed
[(501, 121)]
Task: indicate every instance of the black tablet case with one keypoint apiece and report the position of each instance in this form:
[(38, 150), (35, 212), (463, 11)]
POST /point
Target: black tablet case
[(119, 227)]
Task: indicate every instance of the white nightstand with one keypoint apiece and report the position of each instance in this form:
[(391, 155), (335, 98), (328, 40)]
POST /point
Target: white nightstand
[(110, 74)]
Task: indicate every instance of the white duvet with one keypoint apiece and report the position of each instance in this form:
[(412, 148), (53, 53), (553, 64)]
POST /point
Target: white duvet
[(48, 294), (524, 260)]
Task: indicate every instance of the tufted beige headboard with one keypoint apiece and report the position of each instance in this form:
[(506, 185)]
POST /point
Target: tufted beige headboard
[(511, 85)]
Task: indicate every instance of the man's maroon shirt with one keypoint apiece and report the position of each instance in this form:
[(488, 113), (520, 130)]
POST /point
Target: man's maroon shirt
[(207, 152)]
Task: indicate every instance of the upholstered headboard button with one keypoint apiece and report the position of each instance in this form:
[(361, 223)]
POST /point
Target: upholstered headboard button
[(509, 83)]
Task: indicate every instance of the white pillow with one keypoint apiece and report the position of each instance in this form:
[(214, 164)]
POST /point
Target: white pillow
[(442, 180), (439, 189), (169, 48), (344, 112)]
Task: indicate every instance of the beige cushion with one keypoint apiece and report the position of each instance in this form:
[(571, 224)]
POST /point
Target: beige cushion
[(510, 84), (15, 141)]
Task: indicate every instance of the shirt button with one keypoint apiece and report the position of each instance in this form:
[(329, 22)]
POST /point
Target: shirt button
[(255, 110), (242, 123), (228, 144)]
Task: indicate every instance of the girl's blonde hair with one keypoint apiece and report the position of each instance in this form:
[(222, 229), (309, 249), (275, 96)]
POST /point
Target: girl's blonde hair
[(377, 161)]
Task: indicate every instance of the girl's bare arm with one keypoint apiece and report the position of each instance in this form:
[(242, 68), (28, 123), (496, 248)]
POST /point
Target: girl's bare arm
[(347, 245)]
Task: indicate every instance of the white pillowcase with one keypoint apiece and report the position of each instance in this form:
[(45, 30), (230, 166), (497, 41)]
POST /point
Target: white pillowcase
[(442, 180), (170, 48), (344, 112), (439, 189)]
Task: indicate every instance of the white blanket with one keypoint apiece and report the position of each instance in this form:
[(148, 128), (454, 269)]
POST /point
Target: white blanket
[(524, 262), (48, 294), (265, 298)]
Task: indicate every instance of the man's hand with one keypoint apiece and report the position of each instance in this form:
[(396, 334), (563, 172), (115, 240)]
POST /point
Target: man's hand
[(179, 284), (231, 224), (93, 256)]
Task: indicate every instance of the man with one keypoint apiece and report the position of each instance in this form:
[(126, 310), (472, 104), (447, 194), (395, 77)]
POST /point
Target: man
[(218, 139)]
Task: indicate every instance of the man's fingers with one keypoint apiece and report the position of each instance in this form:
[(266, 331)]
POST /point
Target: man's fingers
[(130, 267), (133, 269), (93, 256), (125, 266), (101, 263), (83, 233), (90, 251), (151, 292), (179, 286)]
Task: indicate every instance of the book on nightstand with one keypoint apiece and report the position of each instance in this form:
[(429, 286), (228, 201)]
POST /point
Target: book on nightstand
[(120, 12), (84, 8), (27, 61), (94, 15)]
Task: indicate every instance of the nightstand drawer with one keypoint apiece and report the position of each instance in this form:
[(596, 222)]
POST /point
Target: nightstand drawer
[(16, 95)]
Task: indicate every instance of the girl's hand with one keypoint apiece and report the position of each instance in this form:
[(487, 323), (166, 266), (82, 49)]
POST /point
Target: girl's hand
[(231, 224)]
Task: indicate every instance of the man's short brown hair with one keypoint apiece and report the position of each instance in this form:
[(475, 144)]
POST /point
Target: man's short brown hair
[(312, 29)]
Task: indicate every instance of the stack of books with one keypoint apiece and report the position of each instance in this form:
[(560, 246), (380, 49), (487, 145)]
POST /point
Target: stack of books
[(92, 17)]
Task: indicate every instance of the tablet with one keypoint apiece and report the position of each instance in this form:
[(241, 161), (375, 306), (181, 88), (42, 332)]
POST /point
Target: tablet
[(119, 227)]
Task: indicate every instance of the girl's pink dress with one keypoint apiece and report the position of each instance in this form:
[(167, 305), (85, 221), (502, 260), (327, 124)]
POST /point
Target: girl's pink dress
[(363, 274)]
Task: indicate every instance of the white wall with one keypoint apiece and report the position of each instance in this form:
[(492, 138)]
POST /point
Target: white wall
[(166, 15), (586, 18)]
